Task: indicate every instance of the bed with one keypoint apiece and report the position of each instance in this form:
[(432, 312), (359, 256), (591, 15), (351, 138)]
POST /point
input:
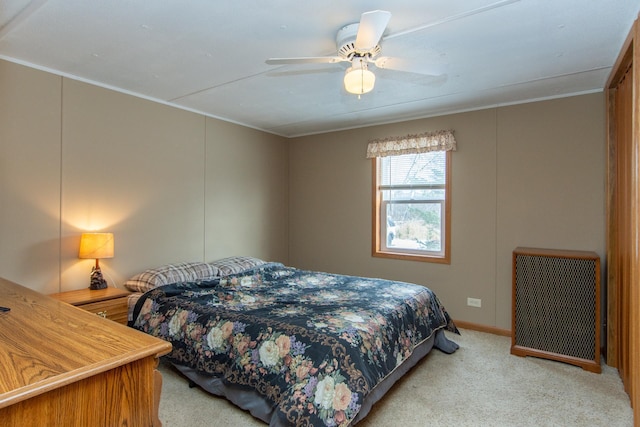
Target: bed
[(293, 347)]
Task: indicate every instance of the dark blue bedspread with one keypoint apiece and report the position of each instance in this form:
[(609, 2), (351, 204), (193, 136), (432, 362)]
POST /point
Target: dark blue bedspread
[(314, 344)]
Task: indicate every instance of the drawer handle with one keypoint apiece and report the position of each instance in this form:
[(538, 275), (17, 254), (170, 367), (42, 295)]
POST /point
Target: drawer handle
[(102, 314)]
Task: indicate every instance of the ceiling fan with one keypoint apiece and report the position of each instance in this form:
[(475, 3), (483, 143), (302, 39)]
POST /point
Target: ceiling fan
[(359, 44)]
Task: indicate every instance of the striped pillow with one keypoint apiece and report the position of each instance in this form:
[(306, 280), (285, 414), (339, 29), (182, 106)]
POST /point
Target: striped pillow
[(171, 273), (236, 264)]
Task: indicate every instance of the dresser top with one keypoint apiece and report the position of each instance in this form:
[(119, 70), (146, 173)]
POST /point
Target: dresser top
[(46, 343)]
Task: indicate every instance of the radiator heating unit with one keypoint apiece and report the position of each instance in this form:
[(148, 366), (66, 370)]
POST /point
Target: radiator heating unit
[(556, 306)]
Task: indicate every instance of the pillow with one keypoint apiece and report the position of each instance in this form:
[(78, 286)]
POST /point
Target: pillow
[(171, 273), (236, 264)]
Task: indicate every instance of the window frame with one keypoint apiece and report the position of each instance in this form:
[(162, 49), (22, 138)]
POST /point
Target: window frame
[(379, 248)]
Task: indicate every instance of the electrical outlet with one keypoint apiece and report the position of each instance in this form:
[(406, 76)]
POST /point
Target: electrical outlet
[(474, 302)]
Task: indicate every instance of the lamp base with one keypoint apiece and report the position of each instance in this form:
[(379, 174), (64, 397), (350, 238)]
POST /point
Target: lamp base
[(97, 281)]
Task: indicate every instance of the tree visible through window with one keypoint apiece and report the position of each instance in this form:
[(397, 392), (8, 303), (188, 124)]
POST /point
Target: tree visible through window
[(411, 215)]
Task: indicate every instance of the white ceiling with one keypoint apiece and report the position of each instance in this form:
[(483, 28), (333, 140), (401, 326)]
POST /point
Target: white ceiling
[(209, 55)]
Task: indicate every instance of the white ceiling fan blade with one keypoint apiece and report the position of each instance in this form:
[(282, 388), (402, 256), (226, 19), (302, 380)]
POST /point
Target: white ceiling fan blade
[(305, 60), (418, 66), (370, 30)]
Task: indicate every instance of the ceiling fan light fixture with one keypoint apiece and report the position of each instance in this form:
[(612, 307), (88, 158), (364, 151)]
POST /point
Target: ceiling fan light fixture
[(359, 80)]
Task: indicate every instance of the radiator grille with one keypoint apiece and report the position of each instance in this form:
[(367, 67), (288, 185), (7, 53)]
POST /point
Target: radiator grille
[(555, 305)]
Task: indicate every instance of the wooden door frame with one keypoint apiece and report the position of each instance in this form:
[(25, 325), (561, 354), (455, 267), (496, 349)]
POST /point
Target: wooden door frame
[(623, 294)]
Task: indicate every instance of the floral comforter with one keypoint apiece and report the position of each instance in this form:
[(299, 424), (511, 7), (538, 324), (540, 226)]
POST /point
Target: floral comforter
[(313, 344)]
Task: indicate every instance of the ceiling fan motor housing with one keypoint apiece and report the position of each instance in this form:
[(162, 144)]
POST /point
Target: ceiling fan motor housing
[(346, 43)]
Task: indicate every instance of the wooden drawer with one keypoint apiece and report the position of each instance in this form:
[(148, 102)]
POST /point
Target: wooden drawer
[(115, 309), (110, 303)]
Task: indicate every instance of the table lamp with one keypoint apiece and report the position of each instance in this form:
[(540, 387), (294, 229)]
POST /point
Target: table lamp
[(96, 246)]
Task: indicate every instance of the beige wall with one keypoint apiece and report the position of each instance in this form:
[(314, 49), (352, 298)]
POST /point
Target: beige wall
[(526, 175), (171, 185), (30, 150), (175, 186), (246, 193)]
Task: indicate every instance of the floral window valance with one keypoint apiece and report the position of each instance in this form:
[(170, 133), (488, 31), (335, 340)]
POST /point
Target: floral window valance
[(442, 140)]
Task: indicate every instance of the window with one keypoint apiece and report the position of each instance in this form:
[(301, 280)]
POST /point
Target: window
[(412, 206)]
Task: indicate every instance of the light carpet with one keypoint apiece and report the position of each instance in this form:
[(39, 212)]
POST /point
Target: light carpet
[(481, 384)]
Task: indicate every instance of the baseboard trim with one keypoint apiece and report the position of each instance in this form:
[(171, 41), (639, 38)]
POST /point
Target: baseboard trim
[(483, 328)]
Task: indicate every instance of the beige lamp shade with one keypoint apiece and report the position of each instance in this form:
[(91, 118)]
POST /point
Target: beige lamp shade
[(96, 245)]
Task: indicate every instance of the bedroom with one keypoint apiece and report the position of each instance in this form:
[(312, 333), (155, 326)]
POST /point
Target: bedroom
[(174, 185)]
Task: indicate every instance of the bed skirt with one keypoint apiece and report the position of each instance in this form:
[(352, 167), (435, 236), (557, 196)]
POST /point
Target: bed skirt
[(251, 401)]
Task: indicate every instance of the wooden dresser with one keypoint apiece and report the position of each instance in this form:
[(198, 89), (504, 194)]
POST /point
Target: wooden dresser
[(63, 366)]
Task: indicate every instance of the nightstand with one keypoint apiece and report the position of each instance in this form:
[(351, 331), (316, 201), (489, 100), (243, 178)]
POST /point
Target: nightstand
[(110, 303)]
